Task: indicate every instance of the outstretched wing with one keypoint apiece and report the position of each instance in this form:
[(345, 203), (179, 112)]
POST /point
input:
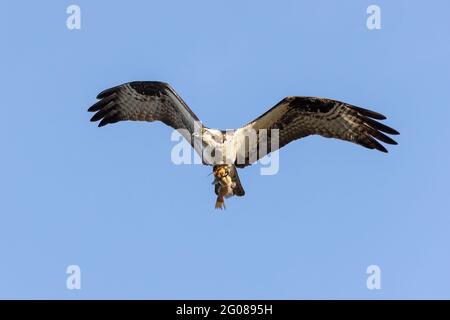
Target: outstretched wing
[(298, 117), (146, 101)]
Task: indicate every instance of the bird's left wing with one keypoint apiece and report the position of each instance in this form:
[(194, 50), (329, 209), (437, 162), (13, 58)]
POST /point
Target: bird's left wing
[(146, 101), (298, 117)]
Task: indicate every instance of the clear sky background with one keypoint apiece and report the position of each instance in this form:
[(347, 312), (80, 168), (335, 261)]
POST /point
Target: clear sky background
[(111, 201)]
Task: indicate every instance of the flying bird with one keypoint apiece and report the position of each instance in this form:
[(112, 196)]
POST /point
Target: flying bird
[(290, 119)]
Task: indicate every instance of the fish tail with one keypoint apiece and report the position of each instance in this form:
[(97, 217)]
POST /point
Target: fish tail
[(220, 203)]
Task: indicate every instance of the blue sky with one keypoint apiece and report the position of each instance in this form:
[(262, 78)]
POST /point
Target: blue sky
[(111, 201)]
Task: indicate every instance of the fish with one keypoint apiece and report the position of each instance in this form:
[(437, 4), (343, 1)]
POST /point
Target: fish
[(226, 184)]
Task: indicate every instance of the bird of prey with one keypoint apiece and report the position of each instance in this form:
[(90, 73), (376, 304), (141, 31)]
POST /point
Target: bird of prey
[(290, 119)]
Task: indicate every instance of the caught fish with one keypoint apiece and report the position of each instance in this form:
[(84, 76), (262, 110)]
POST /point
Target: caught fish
[(226, 184)]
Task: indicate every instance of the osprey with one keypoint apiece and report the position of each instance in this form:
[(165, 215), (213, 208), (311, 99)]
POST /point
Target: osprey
[(290, 119)]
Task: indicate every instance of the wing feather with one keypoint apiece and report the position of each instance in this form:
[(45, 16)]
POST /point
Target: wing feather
[(298, 117), (145, 101)]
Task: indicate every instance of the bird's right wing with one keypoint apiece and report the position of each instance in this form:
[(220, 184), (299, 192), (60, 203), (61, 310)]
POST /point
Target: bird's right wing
[(146, 101)]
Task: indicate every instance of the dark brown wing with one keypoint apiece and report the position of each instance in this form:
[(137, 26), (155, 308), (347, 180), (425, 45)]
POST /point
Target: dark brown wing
[(145, 101), (298, 117)]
